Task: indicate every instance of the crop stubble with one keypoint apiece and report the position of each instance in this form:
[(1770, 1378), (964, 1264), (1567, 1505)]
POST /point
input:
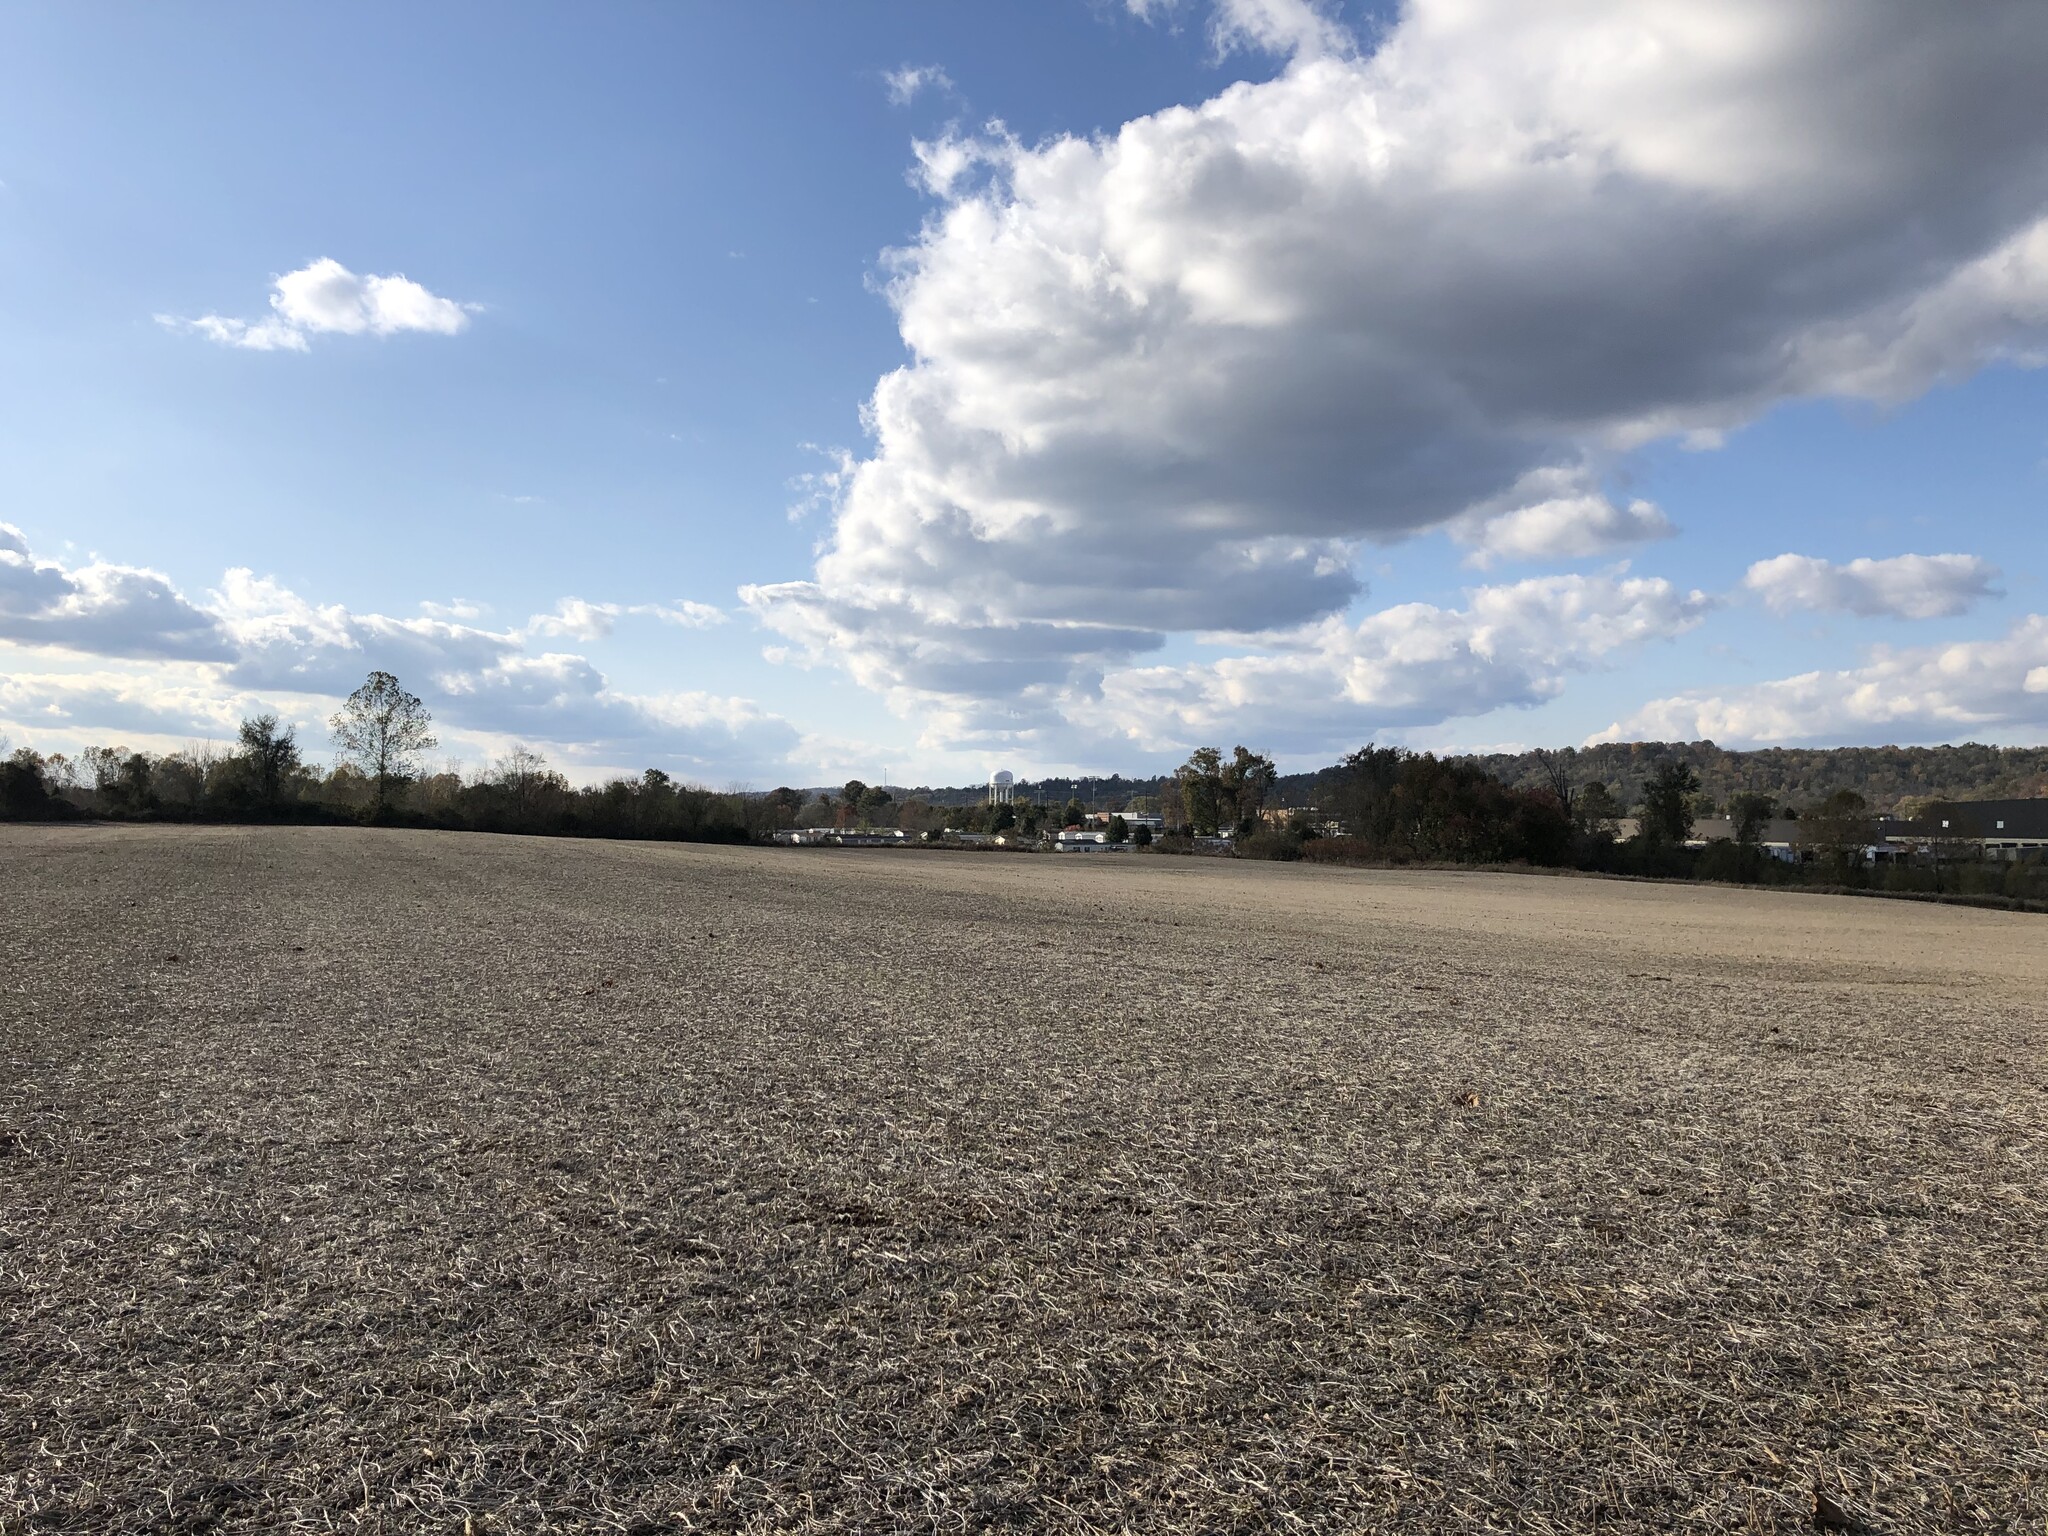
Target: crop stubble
[(390, 1181)]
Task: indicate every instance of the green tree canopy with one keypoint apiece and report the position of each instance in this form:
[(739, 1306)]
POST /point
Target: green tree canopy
[(1243, 784), (1668, 803), (270, 754)]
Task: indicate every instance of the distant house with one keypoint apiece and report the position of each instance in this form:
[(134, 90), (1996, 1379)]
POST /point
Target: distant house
[(1085, 840), (1993, 829), (845, 837), (1778, 837), (1132, 819)]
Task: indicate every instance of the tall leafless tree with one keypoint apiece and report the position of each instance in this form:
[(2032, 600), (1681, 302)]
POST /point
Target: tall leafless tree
[(382, 729), (1558, 771)]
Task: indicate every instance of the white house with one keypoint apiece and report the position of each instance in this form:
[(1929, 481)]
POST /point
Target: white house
[(1086, 840)]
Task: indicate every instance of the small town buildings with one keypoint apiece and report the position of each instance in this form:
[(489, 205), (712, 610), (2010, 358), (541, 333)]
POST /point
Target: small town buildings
[(1281, 817), (845, 837), (1989, 829), (1085, 840), (1993, 829), (1777, 837), (1797, 842)]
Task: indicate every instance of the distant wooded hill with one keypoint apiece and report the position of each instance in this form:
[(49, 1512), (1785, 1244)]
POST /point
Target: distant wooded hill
[(1797, 776)]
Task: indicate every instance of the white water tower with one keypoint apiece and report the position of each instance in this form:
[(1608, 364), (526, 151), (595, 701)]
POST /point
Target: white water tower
[(1002, 787)]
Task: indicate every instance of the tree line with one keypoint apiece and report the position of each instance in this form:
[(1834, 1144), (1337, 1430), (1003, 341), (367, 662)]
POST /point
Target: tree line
[(1891, 780), (1398, 807), (380, 736), (1378, 805)]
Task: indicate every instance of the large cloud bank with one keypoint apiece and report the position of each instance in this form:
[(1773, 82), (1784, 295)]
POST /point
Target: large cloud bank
[(194, 668), (1510, 645), (101, 609), (1168, 380)]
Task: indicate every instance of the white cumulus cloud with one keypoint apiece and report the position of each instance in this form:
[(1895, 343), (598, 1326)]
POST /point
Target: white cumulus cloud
[(1297, 27), (254, 644), (1412, 664), (1169, 379), (1557, 514), (325, 298), (1275, 26), (99, 609), (1902, 587), (1972, 689)]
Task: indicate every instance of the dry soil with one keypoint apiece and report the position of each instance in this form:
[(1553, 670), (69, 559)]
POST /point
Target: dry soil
[(390, 1181)]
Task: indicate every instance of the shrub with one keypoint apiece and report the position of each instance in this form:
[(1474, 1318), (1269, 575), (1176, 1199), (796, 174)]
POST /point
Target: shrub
[(25, 791), (1270, 845)]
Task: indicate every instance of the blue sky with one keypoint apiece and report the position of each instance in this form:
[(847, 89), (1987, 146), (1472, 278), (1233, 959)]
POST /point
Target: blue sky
[(1242, 371)]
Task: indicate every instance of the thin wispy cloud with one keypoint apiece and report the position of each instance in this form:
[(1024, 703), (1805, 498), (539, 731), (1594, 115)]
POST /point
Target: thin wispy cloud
[(904, 85), (593, 621)]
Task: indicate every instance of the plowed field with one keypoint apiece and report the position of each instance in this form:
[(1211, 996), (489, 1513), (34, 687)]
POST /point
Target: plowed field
[(358, 1180)]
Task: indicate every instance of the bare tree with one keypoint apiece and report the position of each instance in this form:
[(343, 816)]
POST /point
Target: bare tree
[(1557, 772), (103, 766), (382, 729), (529, 783)]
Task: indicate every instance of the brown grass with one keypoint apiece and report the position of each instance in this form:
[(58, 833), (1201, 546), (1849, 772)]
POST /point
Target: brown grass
[(456, 1183)]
